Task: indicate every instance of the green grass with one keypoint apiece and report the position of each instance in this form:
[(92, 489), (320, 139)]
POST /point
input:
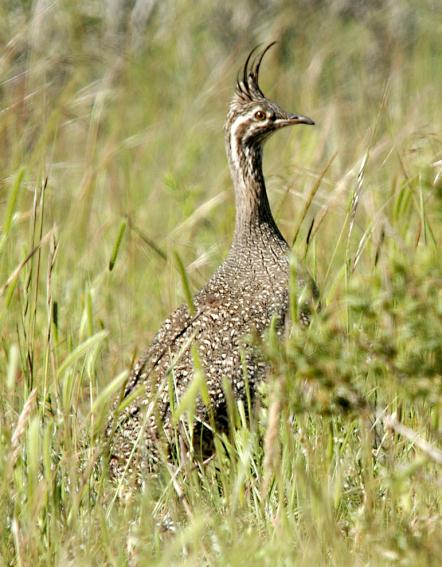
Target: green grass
[(114, 185)]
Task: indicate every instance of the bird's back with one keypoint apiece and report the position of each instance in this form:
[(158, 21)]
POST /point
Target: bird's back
[(239, 300)]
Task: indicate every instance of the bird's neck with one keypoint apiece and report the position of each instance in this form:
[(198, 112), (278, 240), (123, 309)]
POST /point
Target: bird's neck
[(254, 219)]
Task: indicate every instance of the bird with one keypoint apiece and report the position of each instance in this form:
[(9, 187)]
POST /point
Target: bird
[(210, 336)]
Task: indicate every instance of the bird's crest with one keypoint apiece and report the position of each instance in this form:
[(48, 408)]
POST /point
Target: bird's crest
[(247, 86)]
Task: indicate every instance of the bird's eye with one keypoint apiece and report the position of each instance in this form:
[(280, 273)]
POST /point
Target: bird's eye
[(260, 115)]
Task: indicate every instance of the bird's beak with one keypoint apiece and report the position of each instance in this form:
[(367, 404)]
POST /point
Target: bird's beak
[(289, 119)]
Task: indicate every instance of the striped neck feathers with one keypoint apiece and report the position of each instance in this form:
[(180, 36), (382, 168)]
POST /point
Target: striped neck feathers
[(244, 152)]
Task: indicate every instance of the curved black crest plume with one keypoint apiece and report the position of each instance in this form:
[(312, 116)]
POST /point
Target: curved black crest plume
[(248, 86)]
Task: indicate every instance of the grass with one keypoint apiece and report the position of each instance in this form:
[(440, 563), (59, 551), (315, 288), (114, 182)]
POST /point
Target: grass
[(114, 184)]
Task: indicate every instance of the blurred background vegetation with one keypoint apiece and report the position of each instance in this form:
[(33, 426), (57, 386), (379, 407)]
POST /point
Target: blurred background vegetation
[(112, 159)]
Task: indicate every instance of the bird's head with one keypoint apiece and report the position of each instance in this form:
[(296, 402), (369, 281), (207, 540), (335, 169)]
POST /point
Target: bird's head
[(252, 117)]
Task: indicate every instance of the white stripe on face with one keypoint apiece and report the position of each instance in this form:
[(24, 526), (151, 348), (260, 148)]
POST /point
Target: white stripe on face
[(235, 138)]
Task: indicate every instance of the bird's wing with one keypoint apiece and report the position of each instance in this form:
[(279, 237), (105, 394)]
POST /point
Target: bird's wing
[(163, 343)]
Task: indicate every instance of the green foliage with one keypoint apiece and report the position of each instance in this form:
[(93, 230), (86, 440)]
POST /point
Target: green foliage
[(393, 338), (110, 115)]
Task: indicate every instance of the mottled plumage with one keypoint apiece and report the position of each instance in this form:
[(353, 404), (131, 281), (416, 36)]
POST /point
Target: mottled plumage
[(240, 299)]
